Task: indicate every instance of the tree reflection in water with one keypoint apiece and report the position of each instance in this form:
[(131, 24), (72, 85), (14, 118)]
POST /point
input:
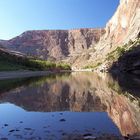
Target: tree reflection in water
[(79, 92)]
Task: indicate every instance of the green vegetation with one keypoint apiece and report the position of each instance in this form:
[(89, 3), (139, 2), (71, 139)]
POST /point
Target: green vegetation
[(115, 87), (120, 50), (7, 85), (7, 66), (45, 65), (63, 66), (92, 66), (116, 54), (9, 62)]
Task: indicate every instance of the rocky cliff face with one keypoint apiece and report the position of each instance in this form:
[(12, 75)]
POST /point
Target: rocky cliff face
[(123, 26), (54, 44), (82, 47)]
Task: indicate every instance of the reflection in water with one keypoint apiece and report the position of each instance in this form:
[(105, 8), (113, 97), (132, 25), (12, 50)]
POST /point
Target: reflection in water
[(79, 92)]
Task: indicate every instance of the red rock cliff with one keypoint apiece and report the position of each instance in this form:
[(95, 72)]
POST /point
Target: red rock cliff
[(54, 44)]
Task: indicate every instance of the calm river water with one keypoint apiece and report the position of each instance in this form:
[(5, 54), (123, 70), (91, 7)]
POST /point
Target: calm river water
[(69, 106)]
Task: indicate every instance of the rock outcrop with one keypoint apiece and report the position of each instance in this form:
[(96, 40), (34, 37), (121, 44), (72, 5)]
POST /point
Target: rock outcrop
[(122, 27), (129, 61), (54, 44), (82, 47)]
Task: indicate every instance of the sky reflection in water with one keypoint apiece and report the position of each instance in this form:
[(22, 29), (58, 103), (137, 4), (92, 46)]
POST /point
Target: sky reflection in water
[(62, 106)]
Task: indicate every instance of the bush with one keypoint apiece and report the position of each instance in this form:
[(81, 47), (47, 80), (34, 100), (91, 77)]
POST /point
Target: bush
[(120, 51), (88, 67), (63, 66), (29, 63), (110, 57), (92, 66)]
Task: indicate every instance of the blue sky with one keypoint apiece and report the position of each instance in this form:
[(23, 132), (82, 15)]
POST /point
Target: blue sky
[(17, 16)]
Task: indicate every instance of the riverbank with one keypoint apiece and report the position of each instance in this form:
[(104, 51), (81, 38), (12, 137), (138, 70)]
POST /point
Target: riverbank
[(23, 74), (27, 73)]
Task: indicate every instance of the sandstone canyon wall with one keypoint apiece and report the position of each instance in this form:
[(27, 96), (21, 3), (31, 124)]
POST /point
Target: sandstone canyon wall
[(82, 47), (54, 44), (123, 26)]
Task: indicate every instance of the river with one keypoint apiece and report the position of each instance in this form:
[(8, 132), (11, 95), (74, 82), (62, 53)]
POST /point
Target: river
[(78, 105)]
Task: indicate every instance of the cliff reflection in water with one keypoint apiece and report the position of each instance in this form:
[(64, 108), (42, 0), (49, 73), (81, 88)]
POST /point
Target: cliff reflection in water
[(80, 92)]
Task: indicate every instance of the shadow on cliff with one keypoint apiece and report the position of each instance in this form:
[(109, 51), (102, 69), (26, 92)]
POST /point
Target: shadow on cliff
[(129, 60)]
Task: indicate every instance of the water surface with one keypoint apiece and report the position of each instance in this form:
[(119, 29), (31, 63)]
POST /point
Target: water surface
[(69, 106)]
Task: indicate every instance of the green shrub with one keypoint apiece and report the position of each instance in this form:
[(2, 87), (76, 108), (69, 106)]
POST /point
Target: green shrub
[(12, 62), (88, 67), (92, 66), (120, 51), (63, 66), (110, 57)]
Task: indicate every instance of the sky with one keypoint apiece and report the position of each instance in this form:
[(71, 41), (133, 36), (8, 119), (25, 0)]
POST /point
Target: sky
[(17, 16)]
